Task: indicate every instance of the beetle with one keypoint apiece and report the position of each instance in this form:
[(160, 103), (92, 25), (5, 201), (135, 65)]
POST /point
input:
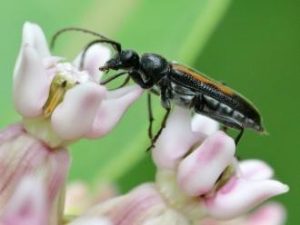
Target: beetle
[(178, 84)]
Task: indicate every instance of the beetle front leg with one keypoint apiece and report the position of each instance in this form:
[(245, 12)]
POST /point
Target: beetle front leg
[(138, 78), (166, 93), (166, 103)]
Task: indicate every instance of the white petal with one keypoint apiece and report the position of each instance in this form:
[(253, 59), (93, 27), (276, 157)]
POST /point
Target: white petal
[(31, 84), (198, 172), (74, 117), (240, 195), (111, 111), (34, 36), (176, 139), (255, 169), (204, 125)]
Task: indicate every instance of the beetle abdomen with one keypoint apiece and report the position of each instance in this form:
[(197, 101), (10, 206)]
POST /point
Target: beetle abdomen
[(224, 109), (247, 118)]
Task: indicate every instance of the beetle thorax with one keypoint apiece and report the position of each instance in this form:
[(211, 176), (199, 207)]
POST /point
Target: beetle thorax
[(154, 65)]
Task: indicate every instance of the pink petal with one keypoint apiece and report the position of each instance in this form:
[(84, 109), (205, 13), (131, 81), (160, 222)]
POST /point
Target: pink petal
[(255, 169), (34, 36), (199, 171), (270, 214), (112, 109), (22, 155), (176, 139), (31, 85), (11, 132), (136, 207), (74, 117), (28, 205), (240, 195), (96, 56)]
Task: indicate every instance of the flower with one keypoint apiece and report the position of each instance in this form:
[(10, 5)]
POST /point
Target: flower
[(59, 104), (23, 160), (198, 181), (210, 174)]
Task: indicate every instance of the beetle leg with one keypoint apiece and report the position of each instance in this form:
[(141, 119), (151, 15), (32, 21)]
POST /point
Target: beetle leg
[(224, 128), (127, 79), (112, 78), (238, 137), (150, 116), (165, 101), (137, 77), (163, 125), (166, 93), (155, 91)]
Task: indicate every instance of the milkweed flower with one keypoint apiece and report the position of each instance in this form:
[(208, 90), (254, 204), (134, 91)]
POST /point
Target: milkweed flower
[(198, 181), (209, 175), (59, 104)]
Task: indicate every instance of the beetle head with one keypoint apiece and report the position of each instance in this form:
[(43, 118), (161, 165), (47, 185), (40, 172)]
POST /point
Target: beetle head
[(126, 59)]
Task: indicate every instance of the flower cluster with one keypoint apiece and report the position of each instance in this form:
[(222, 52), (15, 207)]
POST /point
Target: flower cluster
[(199, 180)]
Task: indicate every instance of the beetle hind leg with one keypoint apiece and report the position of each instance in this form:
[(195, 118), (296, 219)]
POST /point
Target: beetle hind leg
[(239, 136)]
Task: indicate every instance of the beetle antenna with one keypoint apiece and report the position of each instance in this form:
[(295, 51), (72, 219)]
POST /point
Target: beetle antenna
[(116, 45), (90, 44)]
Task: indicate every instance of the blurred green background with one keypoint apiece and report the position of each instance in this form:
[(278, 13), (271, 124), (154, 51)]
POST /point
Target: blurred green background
[(253, 46)]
